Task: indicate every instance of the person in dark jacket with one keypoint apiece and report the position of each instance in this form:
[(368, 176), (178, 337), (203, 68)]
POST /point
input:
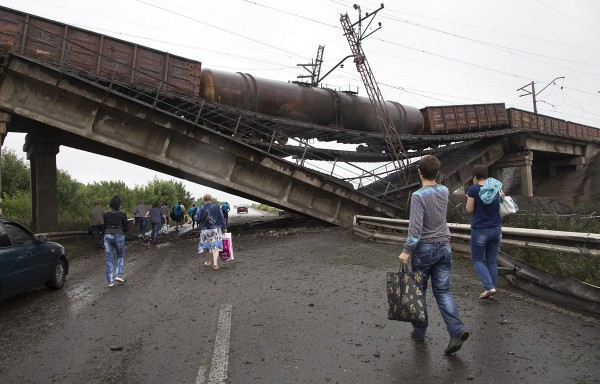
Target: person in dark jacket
[(116, 224), (156, 219), (225, 208), (192, 213), (212, 226), (97, 225)]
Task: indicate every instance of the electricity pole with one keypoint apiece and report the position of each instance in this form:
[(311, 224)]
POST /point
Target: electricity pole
[(393, 142), (533, 94)]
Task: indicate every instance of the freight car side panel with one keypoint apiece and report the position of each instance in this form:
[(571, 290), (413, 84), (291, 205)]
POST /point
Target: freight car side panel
[(529, 120), (10, 23), (60, 44), (459, 118)]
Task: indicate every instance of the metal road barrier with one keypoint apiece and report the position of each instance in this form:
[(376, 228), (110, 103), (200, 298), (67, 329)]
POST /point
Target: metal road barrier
[(563, 290)]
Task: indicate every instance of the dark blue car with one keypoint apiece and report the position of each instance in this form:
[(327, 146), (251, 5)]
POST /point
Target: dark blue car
[(28, 260)]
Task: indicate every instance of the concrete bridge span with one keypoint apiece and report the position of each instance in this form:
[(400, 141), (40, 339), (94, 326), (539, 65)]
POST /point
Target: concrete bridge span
[(56, 108)]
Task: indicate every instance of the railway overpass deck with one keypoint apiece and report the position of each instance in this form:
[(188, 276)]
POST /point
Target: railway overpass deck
[(229, 149), (58, 108)]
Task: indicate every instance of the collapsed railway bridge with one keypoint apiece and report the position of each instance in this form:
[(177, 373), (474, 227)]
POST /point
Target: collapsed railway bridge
[(67, 86)]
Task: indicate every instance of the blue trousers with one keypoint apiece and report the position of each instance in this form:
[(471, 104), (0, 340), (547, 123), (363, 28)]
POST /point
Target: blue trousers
[(434, 260), (485, 244), (112, 242)]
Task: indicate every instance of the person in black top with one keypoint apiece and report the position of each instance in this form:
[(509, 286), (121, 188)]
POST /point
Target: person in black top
[(116, 224)]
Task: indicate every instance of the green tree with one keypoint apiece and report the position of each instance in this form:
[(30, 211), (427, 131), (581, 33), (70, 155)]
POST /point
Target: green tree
[(15, 173), (18, 206)]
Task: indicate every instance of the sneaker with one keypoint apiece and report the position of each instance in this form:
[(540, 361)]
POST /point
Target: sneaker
[(119, 279), (111, 285), (415, 337), (456, 342)]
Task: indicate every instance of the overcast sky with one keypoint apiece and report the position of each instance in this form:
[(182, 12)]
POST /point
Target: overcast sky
[(427, 53)]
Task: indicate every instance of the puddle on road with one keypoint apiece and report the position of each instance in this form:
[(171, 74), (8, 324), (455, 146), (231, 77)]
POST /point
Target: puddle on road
[(80, 297)]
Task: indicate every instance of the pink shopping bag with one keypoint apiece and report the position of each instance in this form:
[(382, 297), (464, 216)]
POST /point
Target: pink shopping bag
[(227, 253)]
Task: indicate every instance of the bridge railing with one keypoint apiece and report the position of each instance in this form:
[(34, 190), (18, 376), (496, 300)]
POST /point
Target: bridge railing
[(394, 231), (563, 290), (256, 130)]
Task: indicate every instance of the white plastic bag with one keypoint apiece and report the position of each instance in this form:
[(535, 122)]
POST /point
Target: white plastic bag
[(507, 206)]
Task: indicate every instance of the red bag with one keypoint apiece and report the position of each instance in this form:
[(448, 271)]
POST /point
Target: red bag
[(227, 253)]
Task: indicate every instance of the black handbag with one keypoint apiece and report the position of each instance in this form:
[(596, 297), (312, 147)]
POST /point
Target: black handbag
[(406, 296)]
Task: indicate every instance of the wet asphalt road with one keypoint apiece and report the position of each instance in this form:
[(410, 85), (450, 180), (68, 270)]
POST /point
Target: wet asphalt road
[(302, 303)]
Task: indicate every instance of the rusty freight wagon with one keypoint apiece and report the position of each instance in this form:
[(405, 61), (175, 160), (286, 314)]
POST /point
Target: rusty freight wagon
[(524, 119), (91, 53), (464, 118)]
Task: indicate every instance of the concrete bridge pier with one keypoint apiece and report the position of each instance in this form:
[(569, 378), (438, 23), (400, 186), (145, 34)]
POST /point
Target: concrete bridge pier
[(4, 120), (522, 161), (44, 204)]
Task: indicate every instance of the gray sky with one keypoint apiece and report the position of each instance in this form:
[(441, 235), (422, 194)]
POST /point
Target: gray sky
[(428, 53)]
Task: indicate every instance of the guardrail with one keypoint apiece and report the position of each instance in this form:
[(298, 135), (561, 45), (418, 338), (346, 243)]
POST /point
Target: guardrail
[(390, 230), (560, 289)]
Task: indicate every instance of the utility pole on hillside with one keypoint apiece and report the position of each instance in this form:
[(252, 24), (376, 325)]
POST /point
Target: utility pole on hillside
[(393, 142)]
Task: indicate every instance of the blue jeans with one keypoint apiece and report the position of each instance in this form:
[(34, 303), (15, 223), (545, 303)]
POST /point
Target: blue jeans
[(155, 230), (114, 241), (485, 244), (141, 221), (435, 260)]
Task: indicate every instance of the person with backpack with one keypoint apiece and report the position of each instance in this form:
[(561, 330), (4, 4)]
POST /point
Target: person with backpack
[(192, 213), (177, 215), (225, 209)]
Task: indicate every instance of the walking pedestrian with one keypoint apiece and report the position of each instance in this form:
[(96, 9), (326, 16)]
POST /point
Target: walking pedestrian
[(428, 248), (164, 210), (156, 220), (192, 213), (97, 225), (483, 201), (116, 225), (177, 215), (139, 213), (212, 226), (225, 209)]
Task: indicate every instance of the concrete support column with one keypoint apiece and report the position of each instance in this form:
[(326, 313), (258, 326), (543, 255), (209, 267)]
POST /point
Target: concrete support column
[(42, 156), (526, 176), (523, 163), (4, 120), (496, 173)]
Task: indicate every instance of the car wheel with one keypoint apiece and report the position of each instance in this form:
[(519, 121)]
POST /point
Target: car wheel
[(58, 280)]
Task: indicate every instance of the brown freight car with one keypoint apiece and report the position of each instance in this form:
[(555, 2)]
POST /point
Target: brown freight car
[(463, 118), (85, 51), (524, 119)]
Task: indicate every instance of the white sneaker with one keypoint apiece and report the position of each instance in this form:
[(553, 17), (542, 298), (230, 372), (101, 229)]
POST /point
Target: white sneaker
[(111, 285), (119, 279)]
